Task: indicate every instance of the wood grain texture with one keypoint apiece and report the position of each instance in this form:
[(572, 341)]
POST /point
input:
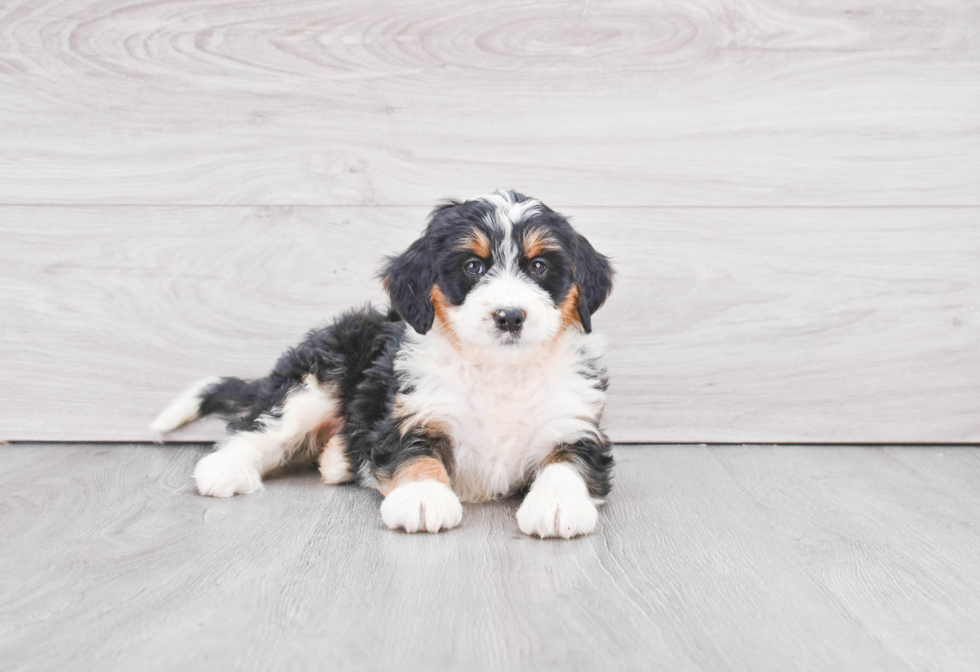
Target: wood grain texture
[(622, 102), (955, 467), (748, 558), (880, 537), (741, 325)]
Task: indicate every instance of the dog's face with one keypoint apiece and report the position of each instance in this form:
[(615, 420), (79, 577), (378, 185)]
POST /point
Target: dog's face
[(502, 271)]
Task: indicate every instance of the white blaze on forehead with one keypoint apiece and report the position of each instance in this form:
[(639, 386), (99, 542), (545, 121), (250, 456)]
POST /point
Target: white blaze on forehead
[(507, 212), (520, 211)]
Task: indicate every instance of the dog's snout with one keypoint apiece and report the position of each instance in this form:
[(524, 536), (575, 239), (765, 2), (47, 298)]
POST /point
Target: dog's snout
[(509, 319)]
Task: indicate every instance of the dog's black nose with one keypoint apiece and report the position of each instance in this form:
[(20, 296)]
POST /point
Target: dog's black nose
[(509, 319)]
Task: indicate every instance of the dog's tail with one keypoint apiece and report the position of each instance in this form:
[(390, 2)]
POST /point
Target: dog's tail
[(222, 396)]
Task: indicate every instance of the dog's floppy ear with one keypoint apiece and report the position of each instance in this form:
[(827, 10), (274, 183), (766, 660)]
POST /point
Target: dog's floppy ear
[(593, 275), (408, 279)]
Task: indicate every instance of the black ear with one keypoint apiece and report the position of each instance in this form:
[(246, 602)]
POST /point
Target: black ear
[(593, 275), (408, 279)]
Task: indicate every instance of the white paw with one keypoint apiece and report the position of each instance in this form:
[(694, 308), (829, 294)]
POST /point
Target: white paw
[(223, 474), (558, 505), (427, 506)]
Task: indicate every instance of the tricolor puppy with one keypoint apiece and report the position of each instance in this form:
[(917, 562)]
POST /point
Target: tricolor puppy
[(483, 381)]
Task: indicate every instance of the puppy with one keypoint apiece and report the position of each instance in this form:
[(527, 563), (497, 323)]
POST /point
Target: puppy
[(483, 380)]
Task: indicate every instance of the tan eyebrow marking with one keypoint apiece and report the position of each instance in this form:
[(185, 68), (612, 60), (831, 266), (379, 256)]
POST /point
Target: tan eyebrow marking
[(537, 240), (477, 242)]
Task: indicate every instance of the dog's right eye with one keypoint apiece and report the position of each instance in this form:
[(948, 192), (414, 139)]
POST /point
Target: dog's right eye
[(474, 267)]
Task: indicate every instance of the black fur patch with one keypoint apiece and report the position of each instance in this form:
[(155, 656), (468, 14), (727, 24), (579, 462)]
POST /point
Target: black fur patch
[(592, 457)]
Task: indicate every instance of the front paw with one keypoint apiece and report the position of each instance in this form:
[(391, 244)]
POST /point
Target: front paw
[(428, 506), (223, 474), (558, 505)]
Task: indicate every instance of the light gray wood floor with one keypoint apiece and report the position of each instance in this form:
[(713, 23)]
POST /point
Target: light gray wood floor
[(707, 558)]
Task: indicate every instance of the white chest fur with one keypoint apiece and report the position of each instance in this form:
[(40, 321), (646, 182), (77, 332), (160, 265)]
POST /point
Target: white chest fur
[(503, 417)]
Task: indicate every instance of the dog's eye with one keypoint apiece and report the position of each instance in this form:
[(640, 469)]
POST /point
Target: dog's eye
[(538, 267), (474, 267)]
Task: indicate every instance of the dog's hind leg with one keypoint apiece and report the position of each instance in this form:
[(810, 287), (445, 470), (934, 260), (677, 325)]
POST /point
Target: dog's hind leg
[(335, 467), (307, 417)]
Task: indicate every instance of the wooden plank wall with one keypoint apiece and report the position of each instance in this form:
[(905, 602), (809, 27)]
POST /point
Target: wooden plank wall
[(791, 193)]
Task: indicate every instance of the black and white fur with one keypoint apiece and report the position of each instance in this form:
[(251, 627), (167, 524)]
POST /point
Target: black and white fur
[(482, 381)]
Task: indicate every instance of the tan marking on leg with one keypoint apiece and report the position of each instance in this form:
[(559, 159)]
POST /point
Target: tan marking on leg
[(334, 465), (536, 241), (310, 415), (419, 469), (320, 436)]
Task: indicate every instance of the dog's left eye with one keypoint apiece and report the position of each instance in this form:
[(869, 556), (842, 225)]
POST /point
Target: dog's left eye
[(474, 267), (538, 267)]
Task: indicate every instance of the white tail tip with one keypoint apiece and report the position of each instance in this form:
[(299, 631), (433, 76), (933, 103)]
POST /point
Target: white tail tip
[(183, 409)]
